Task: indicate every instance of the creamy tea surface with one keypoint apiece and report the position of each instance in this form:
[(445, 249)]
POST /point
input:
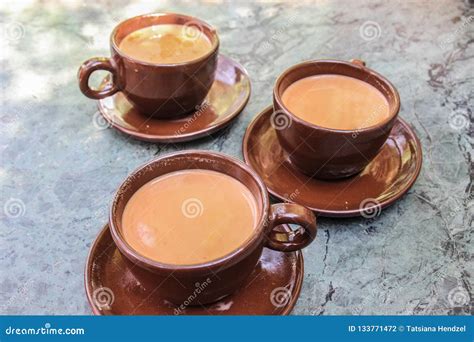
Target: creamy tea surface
[(189, 217), (336, 101), (167, 43)]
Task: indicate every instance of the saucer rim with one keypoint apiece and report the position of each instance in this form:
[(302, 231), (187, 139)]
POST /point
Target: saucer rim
[(295, 294), (339, 213), (173, 138)]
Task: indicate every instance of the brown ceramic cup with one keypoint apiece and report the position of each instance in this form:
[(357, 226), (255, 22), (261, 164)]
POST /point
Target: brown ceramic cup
[(218, 278), (324, 152), (158, 90)]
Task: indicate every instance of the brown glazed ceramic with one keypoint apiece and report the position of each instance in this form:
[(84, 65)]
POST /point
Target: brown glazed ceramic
[(324, 152), (177, 283), (112, 288), (383, 181), (224, 102), (158, 90)]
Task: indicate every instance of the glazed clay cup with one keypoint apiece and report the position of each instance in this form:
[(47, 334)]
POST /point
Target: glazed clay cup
[(159, 90), (207, 282), (324, 152)]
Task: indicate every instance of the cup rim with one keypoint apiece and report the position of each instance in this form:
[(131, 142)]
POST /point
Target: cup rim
[(215, 42), (230, 258), (393, 110)]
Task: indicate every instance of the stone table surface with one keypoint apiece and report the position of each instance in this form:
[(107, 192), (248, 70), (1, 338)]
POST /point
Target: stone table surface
[(60, 166)]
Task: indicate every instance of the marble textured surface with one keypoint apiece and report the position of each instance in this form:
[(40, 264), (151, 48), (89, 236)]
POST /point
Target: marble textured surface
[(60, 166)]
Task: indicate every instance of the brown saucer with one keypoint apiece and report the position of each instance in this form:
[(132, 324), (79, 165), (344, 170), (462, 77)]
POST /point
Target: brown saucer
[(380, 184), (226, 99), (272, 289)]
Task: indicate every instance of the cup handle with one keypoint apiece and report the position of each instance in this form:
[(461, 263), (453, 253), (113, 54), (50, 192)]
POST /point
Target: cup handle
[(85, 71), (358, 62), (289, 213)]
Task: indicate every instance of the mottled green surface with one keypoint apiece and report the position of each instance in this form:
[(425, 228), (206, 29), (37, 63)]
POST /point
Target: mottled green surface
[(60, 168)]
